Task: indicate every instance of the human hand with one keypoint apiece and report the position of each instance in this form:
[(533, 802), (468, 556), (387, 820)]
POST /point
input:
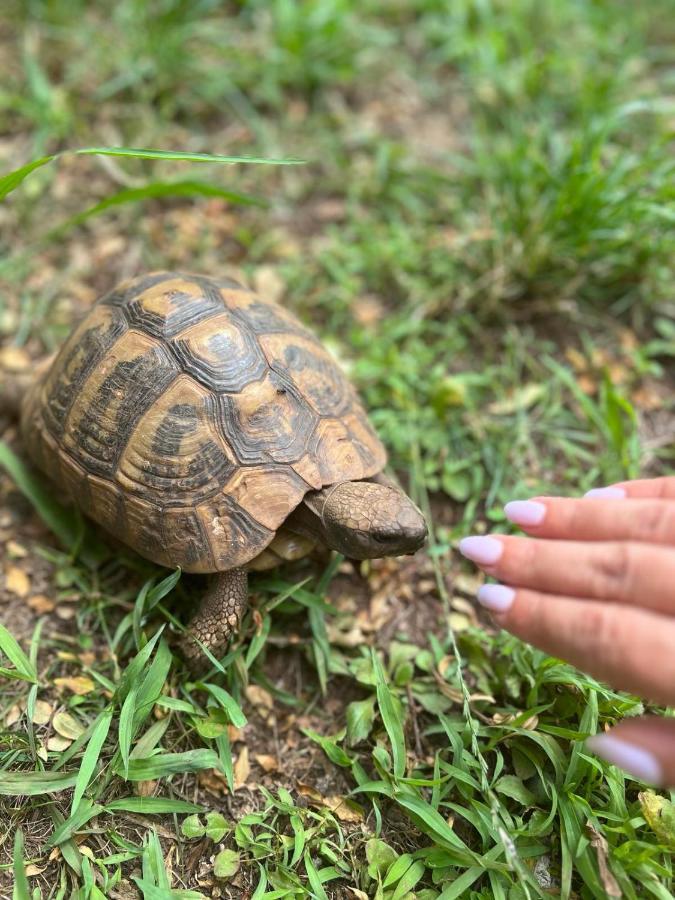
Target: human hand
[(597, 588)]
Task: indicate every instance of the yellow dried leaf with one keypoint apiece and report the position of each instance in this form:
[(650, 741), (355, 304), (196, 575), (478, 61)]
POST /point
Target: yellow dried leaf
[(65, 612), (87, 851), (242, 768), (459, 622), (268, 283), (16, 550), (342, 810), (17, 581), (43, 712), (235, 734), (41, 604), (306, 790), (335, 803), (34, 870), (13, 715), (146, 788), (58, 743), (67, 726), (42, 753), (259, 696), (79, 684), (14, 359), (268, 763)]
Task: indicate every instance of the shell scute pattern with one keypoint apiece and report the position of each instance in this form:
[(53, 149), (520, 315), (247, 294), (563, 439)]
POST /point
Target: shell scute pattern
[(175, 456), (220, 354), (266, 421), (189, 418)]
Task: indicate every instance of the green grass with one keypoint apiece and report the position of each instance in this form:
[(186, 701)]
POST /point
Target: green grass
[(483, 233)]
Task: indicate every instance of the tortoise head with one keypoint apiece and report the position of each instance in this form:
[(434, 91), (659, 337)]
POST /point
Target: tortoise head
[(367, 520)]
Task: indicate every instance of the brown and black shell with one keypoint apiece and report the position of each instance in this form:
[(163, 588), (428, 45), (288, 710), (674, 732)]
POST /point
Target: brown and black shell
[(189, 417)]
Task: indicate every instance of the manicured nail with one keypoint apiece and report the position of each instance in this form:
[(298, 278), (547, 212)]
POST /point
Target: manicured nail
[(496, 597), (637, 761), (482, 550), (525, 512), (608, 493)]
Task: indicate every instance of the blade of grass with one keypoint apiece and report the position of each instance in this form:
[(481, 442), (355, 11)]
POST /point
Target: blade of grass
[(13, 179), (10, 647), (21, 889), (91, 756), (35, 784), (61, 521)]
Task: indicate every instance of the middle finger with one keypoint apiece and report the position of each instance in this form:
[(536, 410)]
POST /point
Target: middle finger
[(617, 571)]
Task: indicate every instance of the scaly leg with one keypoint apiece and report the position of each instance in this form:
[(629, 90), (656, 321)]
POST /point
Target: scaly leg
[(218, 617)]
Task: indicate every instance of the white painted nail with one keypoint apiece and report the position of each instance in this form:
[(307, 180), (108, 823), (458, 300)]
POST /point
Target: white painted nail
[(637, 761), (606, 493)]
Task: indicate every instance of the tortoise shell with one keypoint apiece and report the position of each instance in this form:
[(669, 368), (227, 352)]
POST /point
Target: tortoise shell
[(189, 417)]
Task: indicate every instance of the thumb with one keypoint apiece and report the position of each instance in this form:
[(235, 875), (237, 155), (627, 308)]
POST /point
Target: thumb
[(644, 747)]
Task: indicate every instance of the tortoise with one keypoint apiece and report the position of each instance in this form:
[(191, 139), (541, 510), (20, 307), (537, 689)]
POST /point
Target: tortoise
[(207, 428)]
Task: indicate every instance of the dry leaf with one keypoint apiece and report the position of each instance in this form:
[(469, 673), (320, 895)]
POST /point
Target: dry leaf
[(78, 684), (235, 734), (242, 768), (43, 712), (42, 753), (13, 715), (34, 870), (67, 726), (268, 763), (87, 658), (268, 283), (14, 359), (306, 790), (145, 788), (360, 895), (259, 696), (41, 604), (58, 743), (600, 846), (340, 808), (65, 612), (213, 781), (459, 622), (335, 803), (87, 851), (16, 550), (17, 581)]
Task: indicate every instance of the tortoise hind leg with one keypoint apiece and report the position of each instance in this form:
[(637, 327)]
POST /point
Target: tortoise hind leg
[(217, 618)]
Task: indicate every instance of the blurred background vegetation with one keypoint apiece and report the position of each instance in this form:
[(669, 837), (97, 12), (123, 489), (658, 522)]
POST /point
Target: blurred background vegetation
[(482, 231)]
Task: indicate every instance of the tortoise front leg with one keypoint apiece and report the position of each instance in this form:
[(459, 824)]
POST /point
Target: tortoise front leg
[(217, 618)]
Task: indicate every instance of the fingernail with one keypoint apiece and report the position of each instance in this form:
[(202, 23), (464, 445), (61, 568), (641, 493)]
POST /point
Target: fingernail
[(496, 597), (482, 550), (637, 761), (525, 512), (608, 493)]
